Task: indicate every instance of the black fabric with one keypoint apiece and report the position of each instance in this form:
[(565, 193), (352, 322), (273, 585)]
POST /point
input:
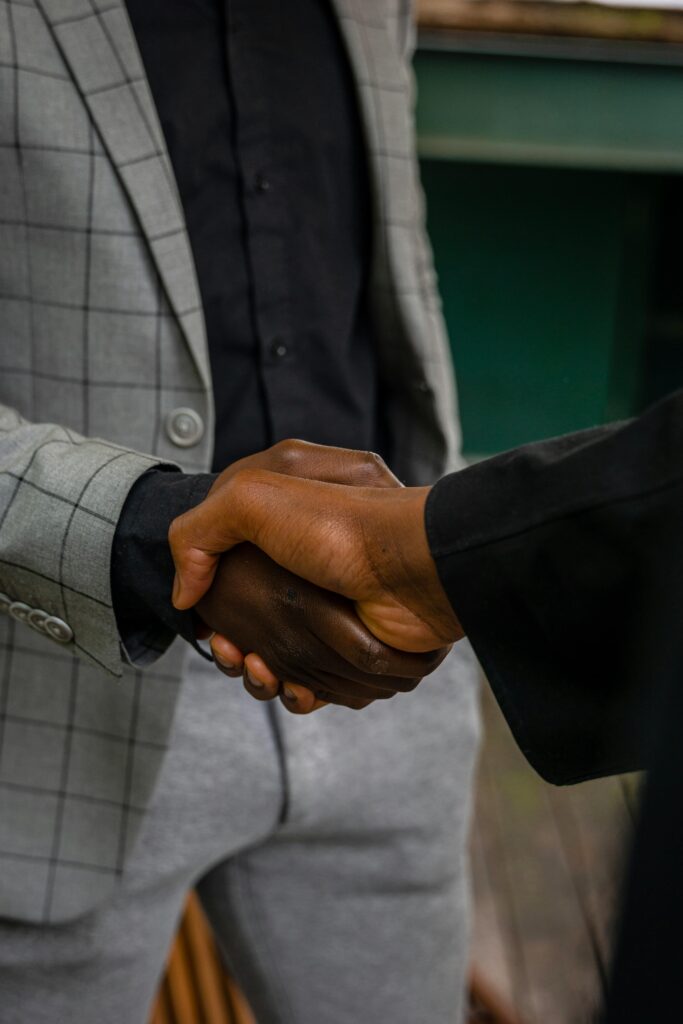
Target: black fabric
[(648, 960), (258, 108), (143, 569), (547, 555), (259, 112), (564, 562)]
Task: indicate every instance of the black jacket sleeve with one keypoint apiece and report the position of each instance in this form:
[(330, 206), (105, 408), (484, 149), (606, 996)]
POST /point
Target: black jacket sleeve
[(142, 567), (553, 556)]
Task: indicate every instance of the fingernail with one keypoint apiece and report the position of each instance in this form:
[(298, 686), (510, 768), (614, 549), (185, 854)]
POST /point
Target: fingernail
[(290, 695), (254, 683), (225, 664)]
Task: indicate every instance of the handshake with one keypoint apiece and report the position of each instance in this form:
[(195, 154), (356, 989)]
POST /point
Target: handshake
[(309, 567)]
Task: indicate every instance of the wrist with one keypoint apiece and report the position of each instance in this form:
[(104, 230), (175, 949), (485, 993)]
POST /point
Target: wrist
[(420, 586)]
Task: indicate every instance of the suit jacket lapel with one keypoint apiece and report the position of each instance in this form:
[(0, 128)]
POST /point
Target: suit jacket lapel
[(383, 80), (100, 49)]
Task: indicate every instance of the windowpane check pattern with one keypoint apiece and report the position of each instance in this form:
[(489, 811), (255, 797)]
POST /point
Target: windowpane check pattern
[(101, 339)]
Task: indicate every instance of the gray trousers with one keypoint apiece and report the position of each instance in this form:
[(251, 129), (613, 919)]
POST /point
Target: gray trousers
[(329, 854)]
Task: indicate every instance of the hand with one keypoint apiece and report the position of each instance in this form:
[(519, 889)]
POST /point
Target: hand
[(301, 459), (306, 635), (291, 458), (367, 543)]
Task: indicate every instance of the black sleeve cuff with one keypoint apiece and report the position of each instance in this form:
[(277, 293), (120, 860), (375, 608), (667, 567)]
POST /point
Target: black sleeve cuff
[(142, 568), (532, 602)]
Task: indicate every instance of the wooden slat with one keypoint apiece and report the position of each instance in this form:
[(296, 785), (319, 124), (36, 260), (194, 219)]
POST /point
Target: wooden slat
[(487, 1003), (208, 971), (240, 1008), (196, 989), (160, 1012), (181, 988)]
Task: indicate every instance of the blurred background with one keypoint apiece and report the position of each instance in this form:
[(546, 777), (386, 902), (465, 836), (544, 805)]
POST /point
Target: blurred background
[(551, 141)]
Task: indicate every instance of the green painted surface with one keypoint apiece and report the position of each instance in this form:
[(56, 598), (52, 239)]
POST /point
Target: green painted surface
[(558, 112), (543, 269)]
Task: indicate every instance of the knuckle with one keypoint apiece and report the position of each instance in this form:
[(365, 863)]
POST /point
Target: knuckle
[(360, 705), (377, 469), (373, 464), (433, 659), (354, 703), (288, 453), (402, 684), (408, 685), (376, 462), (295, 708)]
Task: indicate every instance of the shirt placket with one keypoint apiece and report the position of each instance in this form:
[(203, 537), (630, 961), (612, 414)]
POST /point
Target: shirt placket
[(266, 224)]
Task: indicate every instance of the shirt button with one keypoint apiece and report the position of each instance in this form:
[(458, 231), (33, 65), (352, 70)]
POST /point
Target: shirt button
[(261, 183), (58, 629), (184, 427), (278, 349)]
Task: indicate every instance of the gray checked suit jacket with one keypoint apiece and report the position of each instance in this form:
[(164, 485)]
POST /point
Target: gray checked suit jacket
[(102, 347)]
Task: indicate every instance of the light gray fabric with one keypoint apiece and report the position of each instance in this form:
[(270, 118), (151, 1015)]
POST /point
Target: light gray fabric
[(101, 336), (353, 909)]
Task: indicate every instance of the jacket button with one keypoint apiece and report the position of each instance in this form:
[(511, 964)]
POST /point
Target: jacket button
[(184, 427), (58, 630), (20, 611), (5, 602)]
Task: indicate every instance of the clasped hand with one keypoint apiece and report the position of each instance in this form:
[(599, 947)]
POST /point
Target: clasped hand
[(312, 568)]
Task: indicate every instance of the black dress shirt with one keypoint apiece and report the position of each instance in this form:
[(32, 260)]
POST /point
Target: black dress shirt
[(258, 108)]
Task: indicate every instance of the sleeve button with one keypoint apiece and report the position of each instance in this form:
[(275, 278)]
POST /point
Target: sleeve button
[(58, 630), (20, 611), (37, 619)]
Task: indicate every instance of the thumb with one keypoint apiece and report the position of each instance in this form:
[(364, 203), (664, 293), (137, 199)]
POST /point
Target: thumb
[(195, 570), (197, 539)]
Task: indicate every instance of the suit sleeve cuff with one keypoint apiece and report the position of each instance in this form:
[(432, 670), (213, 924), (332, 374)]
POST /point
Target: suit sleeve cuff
[(534, 622)]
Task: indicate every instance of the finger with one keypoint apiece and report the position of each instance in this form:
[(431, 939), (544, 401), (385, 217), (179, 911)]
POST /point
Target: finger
[(309, 527), (197, 539), (256, 689), (329, 465), (348, 689), (304, 702), (369, 661), (260, 674), (335, 689), (329, 697), (229, 659), (195, 570), (199, 536), (299, 700)]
